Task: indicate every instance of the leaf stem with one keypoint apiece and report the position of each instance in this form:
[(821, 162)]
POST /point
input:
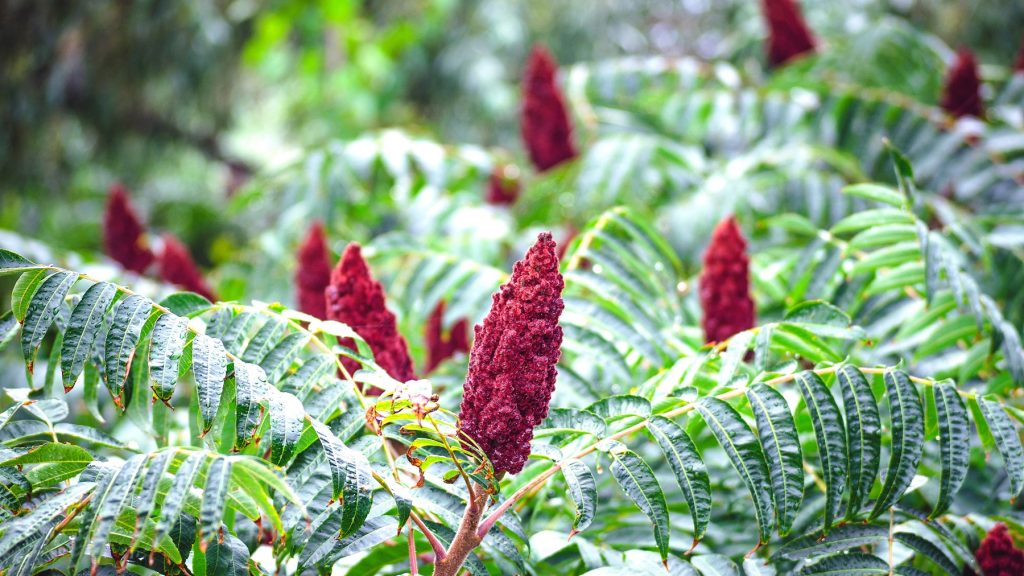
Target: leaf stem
[(438, 547), (414, 568)]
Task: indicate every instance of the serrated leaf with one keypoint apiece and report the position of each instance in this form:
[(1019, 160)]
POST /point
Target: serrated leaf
[(322, 540), (227, 558), (52, 452), (929, 550), (104, 486), (266, 337), (715, 565), (215, 495), (864, 436), (185, 303), (745, 454), (169, 336), (24, 528), (351, 476), (871, 218), (954, 444), (619, 406), (907, 439), (286, 421), (145, 503), (42, 310), (174, 500), (844, 537), (281, 356), (830, 434), (1007, 442), (24, 288), (84, 327), (121, 487), (738, 346), (210, 367), (852, 564), (823, 319), (582, 490), (570, 419), (250, 389), (876, 192), (781, 444), (637, 480), (12, 262), (375, 531), (688, 467), (8, 329), (121, 341)]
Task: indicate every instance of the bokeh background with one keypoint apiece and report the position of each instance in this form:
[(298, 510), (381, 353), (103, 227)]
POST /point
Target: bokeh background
[(184, 100)]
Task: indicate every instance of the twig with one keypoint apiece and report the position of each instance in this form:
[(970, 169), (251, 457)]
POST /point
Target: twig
[(414, 568), (439, 551)]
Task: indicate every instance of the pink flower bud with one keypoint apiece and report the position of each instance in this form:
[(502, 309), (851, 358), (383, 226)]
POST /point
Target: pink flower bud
[(725, 284), (512, 364), (177, 267), (123, 233), (501, 190), (545, 125), (313, 273), (355, 298), (997, 555), (961, 95), (440, 347), (788, 35)]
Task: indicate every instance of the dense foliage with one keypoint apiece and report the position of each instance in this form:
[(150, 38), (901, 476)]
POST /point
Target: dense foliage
[(754, 313)]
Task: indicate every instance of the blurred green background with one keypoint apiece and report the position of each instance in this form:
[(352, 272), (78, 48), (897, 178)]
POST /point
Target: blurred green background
[(184, 100)]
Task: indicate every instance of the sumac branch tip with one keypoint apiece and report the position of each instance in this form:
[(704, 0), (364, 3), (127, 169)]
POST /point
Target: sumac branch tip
[(124, 233), (355, 298), (178, 268), (725, 284), (545, 125), (788, 34), (997, 555), (512, 364), (440, 346), (313, 273), (961, 95)]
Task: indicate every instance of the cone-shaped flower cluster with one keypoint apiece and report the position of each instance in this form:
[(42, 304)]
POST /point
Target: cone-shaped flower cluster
[(123, 231), (725, 284), (355, 298), (177, 267), (788, 35), (545, 125), (997, 556), (439, 347), (313, 274), (512, 364), (501, 191), (961, 96)]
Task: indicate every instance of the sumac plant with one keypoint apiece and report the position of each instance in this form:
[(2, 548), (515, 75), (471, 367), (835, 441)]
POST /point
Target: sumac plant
[(760, 317), (256, 448)]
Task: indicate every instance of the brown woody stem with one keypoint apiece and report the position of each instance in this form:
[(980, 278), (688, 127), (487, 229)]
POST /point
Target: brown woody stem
[(466, 539)]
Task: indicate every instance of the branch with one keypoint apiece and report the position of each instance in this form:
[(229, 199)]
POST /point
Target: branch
[(466, 539), (413, 564)]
